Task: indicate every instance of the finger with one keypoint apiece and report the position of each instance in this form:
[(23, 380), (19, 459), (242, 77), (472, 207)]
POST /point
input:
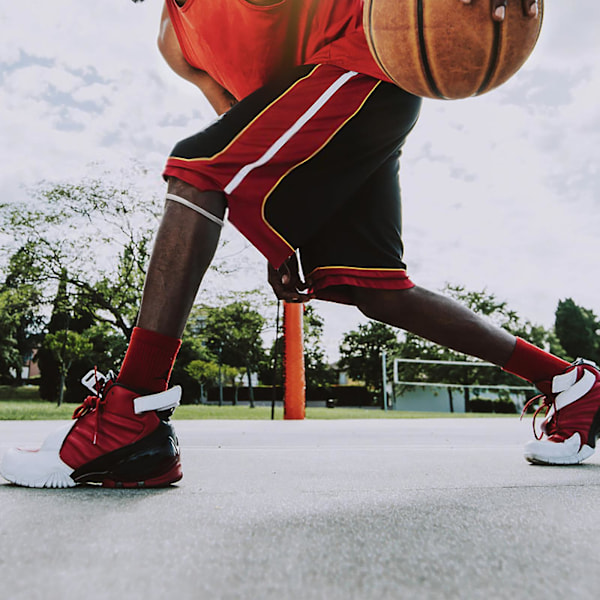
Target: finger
[(300, 298), (293, 297), (285, 274), (498, 10), (288, 292), (530, 8)]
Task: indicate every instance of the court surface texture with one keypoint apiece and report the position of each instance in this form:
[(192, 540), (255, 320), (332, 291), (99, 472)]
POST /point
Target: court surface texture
[(286, 510)]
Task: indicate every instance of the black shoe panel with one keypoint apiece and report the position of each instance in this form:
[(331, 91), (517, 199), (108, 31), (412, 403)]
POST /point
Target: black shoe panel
[(145, 459)]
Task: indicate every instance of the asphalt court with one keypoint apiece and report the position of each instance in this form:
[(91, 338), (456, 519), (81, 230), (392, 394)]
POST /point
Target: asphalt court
[(431, 508)]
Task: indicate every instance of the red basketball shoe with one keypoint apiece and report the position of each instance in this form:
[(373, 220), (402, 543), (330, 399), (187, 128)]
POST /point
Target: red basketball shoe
[(572, 421), (118, 438)]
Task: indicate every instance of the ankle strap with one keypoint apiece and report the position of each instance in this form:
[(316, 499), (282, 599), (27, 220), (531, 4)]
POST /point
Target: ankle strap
[(161, 401)]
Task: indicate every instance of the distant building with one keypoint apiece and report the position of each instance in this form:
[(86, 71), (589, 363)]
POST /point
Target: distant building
[(30, 367)]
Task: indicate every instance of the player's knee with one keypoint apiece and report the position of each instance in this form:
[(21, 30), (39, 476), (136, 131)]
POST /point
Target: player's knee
[(214, 201), (370, 301), (377, 304), (178, 186)]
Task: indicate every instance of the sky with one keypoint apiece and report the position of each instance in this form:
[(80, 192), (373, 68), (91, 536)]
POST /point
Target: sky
[(500, 192)]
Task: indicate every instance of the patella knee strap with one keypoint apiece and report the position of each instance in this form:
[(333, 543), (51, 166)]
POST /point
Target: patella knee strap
[(198, 209)]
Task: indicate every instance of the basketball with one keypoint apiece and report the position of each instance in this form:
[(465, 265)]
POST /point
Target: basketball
[(447, 49)]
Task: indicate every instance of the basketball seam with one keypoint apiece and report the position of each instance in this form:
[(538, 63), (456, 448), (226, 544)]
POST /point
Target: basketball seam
[(370, 39), (423, 52), (493, 64)]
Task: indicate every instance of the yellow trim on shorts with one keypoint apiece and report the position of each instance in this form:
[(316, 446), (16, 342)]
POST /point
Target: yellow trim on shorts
[(242, 131), (262, 210), (358, 269)]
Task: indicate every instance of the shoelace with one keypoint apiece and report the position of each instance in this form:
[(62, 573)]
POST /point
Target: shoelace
[(93, 404), (547, 404)]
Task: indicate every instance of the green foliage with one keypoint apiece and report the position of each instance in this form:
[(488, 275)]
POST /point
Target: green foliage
[(50, 377), (20, 320), (577, 328), (361, 349), (66, 346), (108, 346), (78, 234), (219, 345), (484, 405), (233, 334), (210, 373), (497, 311), (318, 372), (204, 371), (82, 249), (10, 359), (191, 349)]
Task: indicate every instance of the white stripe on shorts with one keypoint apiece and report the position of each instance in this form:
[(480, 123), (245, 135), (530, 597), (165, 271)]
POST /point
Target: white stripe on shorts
[(290, 133)]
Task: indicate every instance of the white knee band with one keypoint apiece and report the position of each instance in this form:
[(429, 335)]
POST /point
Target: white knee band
[(198, 209)]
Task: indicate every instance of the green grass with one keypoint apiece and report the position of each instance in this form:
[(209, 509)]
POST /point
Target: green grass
[(23, 392), (31, 410)]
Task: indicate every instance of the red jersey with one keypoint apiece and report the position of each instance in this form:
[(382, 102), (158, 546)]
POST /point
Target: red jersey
[(242, 46)]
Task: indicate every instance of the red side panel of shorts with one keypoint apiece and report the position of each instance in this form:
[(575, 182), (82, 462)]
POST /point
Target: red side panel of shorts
[(293, 128), (331, 283)]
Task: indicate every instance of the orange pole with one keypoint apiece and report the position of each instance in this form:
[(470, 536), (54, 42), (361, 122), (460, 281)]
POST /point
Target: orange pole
[(295, 382)]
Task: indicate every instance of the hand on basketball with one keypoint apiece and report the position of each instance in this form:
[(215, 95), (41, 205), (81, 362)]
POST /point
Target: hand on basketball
[(286, 282), (530, 8)]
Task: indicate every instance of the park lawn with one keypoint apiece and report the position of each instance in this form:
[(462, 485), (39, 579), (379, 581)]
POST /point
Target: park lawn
[(31, 410), (22, 392)]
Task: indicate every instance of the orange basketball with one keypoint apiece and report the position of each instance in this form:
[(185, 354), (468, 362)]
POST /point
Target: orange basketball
[(447, 49)]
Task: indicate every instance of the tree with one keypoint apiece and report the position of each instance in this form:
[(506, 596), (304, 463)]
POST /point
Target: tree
[(361, 350), (577, 328), (21, 321), (106, 353), (10, 360), (47, 362), (20, 325), (205, 372), (233, 334), (318, 372), (65, 346), (208, 372), (60, 231)]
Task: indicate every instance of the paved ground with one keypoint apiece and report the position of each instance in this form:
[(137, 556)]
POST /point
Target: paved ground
[(308, 510)]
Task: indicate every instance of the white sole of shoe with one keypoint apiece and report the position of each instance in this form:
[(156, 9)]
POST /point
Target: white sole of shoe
[(36, 469), (41, 468), (544, 452)]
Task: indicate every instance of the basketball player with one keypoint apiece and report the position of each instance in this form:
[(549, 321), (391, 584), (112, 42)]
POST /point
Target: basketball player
[(305, 159)]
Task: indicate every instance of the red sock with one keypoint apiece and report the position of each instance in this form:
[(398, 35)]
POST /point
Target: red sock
[(149, 361), (532, 363)]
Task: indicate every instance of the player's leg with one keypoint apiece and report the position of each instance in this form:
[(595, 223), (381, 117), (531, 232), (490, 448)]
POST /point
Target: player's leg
[(439, 319), (356, 258), (183, 250), (122, 435), (571, 392), (448, 323)]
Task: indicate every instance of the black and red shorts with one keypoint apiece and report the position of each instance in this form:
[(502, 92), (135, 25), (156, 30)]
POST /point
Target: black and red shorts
[(310, 162)]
